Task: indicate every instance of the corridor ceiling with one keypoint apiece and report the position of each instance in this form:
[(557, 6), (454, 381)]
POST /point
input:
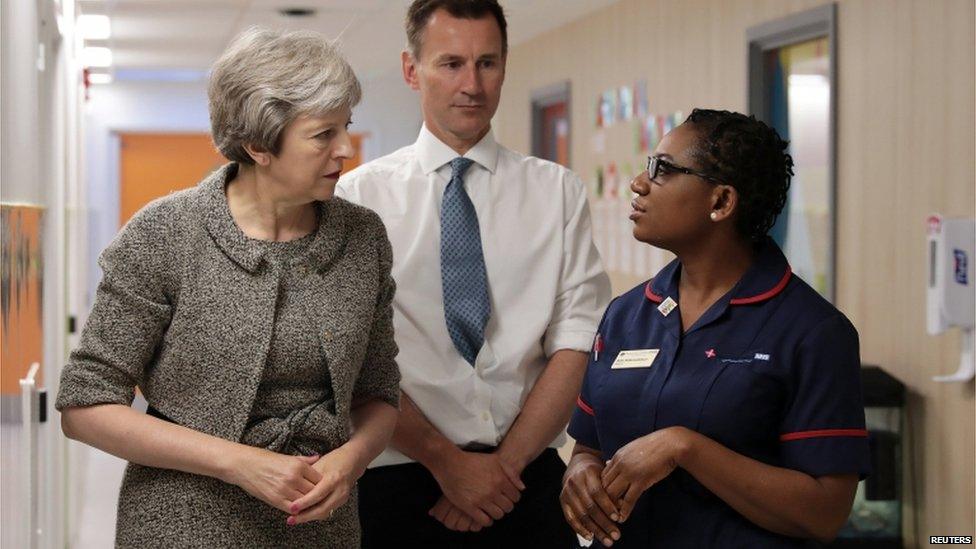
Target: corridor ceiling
[(167, 36)]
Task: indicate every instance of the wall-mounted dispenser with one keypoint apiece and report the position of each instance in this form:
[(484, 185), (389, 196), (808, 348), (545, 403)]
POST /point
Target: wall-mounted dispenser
[(951, 295)]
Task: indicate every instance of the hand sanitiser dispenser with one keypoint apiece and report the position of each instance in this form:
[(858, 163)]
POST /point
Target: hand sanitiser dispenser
[(951, 295)]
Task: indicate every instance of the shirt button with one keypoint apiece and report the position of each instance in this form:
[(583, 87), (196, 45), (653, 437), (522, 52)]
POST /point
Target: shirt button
[(486, 416)]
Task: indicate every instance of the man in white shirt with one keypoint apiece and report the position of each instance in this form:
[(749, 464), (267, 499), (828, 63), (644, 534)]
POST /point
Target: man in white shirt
[(499, 293)]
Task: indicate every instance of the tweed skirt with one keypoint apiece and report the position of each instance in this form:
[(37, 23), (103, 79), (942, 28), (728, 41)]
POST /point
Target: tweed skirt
[(162, 508)]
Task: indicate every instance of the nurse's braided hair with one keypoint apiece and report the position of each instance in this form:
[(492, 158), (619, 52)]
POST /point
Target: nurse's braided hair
[(749, 155)]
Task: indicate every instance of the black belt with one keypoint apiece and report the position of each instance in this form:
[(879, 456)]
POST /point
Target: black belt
[(156, 413), (479, 448)]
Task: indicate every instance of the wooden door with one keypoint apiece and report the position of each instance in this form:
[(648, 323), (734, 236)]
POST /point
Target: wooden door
[(156, 164)]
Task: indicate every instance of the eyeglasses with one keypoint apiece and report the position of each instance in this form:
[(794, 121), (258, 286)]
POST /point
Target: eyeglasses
[(657, 166)]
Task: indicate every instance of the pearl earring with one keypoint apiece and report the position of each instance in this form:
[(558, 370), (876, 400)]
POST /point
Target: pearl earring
[(713, 216)]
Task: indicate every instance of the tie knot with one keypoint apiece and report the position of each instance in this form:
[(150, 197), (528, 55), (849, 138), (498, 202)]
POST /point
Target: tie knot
[(460, 165)]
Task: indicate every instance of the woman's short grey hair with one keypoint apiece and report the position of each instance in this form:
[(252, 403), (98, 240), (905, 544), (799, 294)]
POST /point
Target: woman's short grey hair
[(266, 79)]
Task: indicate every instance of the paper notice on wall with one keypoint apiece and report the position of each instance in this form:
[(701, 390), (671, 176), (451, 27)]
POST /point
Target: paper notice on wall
[(598, 142)]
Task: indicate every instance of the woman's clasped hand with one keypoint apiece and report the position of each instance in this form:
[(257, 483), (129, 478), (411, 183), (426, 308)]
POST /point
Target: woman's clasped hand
[(598, 495), (339, 470), (308, 488)]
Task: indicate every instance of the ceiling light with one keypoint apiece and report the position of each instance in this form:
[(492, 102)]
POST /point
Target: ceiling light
[(94, 27), (96, 57), (99, 78)]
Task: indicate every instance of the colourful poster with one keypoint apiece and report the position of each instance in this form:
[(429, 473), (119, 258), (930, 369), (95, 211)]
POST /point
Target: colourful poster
[(625, 106), (21, 280), (640, 99), (609, 108), (641, 137)]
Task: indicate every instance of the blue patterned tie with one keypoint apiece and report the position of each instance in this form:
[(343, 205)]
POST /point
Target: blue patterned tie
[(465, 282)]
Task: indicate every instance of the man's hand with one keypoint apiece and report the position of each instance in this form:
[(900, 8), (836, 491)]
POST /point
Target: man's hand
[(478, 485), (452, 517)]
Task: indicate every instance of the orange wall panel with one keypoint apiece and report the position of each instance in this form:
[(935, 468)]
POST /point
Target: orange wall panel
[(21, 273)]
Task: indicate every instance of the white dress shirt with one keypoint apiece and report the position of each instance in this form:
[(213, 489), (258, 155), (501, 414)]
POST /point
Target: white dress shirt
[(547, 285)]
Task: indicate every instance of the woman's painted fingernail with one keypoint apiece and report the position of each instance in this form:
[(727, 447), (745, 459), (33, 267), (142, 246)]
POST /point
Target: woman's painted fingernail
[(615, 535), (614, 517), (607, 541), (294, 507), (291, 521)]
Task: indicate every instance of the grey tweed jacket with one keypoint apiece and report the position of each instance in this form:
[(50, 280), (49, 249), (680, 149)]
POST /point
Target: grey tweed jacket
[(185, 312)]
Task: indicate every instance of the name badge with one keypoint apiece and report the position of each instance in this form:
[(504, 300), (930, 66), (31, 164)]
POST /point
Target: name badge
[(637, 358)]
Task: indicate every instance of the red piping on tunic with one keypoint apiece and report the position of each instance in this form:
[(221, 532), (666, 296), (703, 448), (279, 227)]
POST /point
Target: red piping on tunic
[(651, 295), (584, 406), (772, 292), (765, 295), (821, 433)]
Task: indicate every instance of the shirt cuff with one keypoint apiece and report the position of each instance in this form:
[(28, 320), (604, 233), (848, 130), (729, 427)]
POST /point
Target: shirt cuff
[(576, 340)]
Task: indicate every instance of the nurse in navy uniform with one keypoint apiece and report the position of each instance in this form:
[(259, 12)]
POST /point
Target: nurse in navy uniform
[(722, 402)]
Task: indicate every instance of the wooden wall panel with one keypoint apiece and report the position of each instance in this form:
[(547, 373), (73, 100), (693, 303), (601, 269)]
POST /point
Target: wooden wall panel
[(155, 164), (905, 149)]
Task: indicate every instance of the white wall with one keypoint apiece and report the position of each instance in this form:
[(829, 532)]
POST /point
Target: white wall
[(125, 107), (389, 113), (39, 85)]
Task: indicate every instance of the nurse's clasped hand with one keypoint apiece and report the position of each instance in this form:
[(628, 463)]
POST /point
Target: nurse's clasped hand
[(642, 463), (586, 504), (598, 495)]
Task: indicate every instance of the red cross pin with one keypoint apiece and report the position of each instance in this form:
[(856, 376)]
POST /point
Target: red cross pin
[(710, 353)]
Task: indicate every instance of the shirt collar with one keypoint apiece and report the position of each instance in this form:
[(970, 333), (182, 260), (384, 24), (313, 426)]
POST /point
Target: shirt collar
[(765, 279), (434, 153), (326, 245)]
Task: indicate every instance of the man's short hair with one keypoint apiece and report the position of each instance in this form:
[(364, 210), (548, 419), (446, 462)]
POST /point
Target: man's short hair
[(420, 11), (267, 78)]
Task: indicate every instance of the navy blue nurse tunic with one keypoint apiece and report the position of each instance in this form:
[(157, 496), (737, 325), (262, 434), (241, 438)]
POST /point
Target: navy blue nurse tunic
[(771, 371)]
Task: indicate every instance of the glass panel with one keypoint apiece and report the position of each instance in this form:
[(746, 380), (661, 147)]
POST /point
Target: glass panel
[(798, 96)]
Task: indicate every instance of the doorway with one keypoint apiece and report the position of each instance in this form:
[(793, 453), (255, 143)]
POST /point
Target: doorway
[(550, 123), (792, 87)]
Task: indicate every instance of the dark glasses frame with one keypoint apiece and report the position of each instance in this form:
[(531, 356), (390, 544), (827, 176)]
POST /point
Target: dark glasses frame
[(657, 165)]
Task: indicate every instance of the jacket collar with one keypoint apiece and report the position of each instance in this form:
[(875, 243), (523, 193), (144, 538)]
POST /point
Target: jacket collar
[(765, 279), (329, 240)]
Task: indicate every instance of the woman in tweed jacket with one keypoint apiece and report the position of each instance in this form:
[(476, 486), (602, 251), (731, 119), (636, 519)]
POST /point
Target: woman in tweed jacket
[(254, 313)]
